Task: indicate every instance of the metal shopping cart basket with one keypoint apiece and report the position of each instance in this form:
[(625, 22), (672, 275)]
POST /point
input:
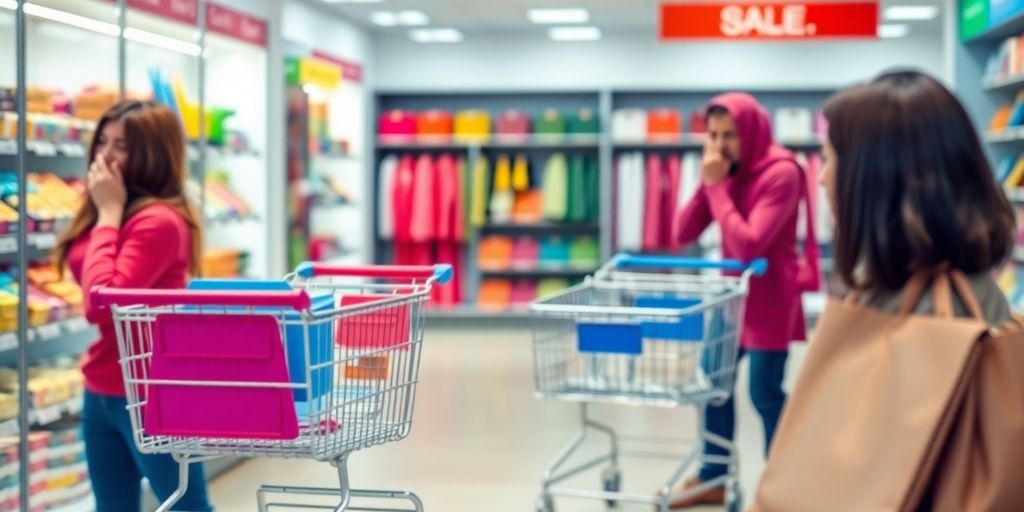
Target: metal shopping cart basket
[(643, 331), (317, 366)]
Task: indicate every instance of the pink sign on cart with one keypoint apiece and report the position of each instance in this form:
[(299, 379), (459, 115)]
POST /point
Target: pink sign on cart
[(349, 70), (235, 24)]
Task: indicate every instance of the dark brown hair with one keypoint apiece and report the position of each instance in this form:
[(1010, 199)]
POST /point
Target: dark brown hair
[(913, 186), (155, 171)]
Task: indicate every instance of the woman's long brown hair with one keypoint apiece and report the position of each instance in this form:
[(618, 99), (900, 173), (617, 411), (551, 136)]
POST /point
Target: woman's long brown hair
[(155, 172)]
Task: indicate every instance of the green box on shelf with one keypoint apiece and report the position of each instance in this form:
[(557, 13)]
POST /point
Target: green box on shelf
[(973, 18)]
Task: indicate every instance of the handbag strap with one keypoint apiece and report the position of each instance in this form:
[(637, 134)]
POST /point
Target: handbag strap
[(943, 280), (966, 293)]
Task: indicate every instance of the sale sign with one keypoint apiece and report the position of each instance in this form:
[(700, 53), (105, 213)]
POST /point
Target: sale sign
[(780, 20)]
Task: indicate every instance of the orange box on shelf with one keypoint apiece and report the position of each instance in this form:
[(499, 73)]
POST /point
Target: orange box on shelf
[(434, 125), (1001, 119), (664, 123)]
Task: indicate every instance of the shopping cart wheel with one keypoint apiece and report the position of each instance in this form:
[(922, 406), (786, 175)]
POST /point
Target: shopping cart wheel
[(545, 504), (612, 482), (734, 498)]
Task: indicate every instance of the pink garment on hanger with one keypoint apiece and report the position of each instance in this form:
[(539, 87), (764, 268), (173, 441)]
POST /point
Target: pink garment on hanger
[(653, 184), (670, 203), (424, 200), (401, 198), (447, 183)]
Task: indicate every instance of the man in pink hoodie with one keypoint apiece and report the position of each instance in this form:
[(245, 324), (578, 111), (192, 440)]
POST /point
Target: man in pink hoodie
[(752, 188)]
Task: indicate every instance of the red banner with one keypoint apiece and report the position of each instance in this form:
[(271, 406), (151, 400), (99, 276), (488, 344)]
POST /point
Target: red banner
[(237, 25), (184, 11), (786, 20), (349, 70)]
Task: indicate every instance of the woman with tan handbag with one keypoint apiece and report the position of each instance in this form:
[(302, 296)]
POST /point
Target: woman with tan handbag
[(887, 412)]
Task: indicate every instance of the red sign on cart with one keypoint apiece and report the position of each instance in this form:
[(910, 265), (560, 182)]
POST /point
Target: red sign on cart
[(349, 70), (237, 25), (771, 20)]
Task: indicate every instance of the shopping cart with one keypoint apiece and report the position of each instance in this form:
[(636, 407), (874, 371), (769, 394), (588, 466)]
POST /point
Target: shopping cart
[(324, 367), (643, 332)]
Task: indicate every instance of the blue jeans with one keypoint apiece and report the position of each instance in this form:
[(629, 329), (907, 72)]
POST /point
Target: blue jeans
[(767, 369), (116, 467)]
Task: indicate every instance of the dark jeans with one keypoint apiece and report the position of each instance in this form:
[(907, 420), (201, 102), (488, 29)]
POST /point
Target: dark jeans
[(767, 369), (116, 467)]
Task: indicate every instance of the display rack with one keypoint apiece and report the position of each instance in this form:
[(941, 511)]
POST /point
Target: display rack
[(989, 77), (601, 146)]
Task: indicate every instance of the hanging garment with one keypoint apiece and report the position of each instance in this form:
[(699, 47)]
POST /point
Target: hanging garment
[(577, 210), (621, 205), (424, 200), (448, 201), (449, 294), (793, 124), (670, 203), (385, 210), (629, 125), (465, 201), (481, 184), (584, 123), (514, 126), (630, 213), (592, 183), (521, 173), (824, 224), (556, 184), (502, 196), (405, 252), (654, 182), (529, 207)]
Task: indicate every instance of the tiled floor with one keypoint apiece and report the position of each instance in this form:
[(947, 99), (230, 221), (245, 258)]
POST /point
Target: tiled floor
[(481, 441)]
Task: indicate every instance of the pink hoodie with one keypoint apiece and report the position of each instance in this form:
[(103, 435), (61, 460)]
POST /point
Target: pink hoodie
[(757, 210)]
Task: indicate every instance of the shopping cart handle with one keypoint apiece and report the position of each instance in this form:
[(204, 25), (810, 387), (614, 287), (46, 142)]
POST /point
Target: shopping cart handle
[(627, 261), (294, 299), (442, 273)]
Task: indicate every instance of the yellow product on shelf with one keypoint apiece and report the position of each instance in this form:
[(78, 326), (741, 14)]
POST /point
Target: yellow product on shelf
[(1016, 175), (38, 312), (8, 311), (8, 214), (67, 291), (8, 406)]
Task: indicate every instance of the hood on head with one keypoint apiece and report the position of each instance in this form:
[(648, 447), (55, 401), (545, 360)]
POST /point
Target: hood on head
[(754, 127)]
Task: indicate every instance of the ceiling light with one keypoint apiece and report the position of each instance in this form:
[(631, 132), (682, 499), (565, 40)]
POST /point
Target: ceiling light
[(384, 18), (159, 41), (435, 35), (890, 31), (574, 34), (911, 12), (413, 19), (74, 20), (555, 16)]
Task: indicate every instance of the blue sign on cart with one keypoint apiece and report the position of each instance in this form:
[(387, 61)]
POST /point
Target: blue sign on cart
[(687, 328), (610, 338)]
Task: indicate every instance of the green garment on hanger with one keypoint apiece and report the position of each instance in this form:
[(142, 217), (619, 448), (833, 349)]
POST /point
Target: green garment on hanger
[(591, 182), (467, 197), (577, 210), (481, 191), (555, 191)]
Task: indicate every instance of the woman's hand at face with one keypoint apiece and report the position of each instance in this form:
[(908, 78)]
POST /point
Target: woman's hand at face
[(107, 191)]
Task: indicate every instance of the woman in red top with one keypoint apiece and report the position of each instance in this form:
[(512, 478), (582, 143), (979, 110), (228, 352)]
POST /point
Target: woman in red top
[(136, 230)]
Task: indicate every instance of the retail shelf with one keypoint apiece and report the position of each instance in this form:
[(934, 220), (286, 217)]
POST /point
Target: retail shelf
[(696, 141), (45, 156), (43, 416), (9, 428), (423, 143), (567, 141), (535, 228), (540, 272), (1005, 136), (1004, 83), (1015, 195), (43, 333), (84, 505), (40, 245), (1008, 28), (221, 220)]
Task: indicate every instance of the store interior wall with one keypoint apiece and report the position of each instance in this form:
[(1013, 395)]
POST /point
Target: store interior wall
[(516, 62)]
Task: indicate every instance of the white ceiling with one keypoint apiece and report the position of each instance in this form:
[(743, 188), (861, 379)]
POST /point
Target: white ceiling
[(509, 16)]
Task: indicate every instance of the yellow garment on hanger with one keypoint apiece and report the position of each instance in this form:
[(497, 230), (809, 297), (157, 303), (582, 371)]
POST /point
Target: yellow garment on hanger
[(481, 187), (521, 173)]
